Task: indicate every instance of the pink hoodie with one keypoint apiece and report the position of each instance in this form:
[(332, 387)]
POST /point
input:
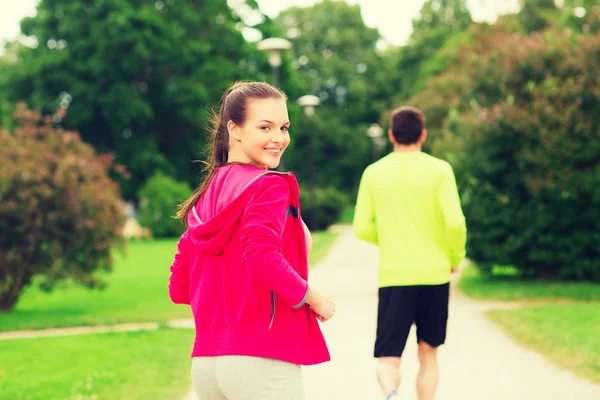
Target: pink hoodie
[(242, 266)]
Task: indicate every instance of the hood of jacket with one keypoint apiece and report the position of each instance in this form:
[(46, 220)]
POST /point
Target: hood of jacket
[(214, 217)]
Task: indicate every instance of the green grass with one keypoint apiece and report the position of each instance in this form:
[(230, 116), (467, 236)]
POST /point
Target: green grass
[(137, 292), (322, 242), (126, 366), (506, 286), (566, 334), (560, 320), (347, 216)]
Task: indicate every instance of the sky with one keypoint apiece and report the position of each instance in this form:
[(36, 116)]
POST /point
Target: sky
[(391, 17)]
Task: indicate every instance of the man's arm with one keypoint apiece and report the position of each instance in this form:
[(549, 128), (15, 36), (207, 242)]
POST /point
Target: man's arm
[(454, 220), (364, 213)]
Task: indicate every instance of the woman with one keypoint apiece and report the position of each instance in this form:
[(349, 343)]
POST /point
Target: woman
[(242, 264)]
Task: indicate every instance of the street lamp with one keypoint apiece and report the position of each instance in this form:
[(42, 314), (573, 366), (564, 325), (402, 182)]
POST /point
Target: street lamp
[(308, 104), (274, 46), (375, 132)]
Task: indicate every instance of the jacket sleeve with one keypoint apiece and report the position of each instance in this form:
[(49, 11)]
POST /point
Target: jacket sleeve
[(364, 212), (262, 226), (454, 220), (179, 282)]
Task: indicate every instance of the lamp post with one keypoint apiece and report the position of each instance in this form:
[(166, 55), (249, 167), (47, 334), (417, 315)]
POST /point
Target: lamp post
[(375, 132), (274, 46), (308, 104)]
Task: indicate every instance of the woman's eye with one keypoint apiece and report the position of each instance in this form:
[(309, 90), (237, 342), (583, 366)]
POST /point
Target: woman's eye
[(285, 128), (264, 128)]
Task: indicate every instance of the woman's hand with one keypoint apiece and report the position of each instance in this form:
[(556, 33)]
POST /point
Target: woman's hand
[(321, 305)]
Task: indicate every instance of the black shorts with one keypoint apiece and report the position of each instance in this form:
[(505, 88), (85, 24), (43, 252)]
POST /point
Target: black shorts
[(400, 307)]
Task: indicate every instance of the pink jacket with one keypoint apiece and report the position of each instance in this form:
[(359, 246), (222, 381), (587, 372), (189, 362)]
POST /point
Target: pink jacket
[(242, 266)]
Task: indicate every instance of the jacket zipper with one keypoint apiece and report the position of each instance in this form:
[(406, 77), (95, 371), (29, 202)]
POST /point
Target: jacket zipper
[(273, 309)]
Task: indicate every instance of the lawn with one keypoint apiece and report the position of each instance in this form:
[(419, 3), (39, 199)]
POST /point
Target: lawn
[(566, 334), (506, 286), (137, 291), (560, 320), (322, 242), (125, 366), (347, 216)]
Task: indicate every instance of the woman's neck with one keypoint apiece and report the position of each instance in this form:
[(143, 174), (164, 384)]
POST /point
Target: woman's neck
[(238, 157)]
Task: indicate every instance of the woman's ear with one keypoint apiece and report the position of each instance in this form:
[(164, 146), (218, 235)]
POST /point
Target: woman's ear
[(234, 130)]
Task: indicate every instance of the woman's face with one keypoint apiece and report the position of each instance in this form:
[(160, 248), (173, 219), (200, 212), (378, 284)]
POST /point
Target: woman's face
[(264, 135)]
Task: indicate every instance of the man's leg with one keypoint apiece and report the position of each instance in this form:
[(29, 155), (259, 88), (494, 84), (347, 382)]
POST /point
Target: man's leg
[(427, 379), (388, 374), (394, 318), (432, 318)]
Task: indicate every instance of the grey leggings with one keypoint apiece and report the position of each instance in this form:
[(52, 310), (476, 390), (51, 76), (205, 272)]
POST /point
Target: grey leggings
[(246, 378)]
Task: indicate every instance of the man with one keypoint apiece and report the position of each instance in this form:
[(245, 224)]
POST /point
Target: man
[(409, 206)]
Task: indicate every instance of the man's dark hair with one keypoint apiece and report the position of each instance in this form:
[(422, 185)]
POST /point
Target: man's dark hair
[(407, 124)]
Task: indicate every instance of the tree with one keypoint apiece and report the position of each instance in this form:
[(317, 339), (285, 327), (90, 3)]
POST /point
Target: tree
[(583, 16), (444, 96), (337, 60), (60, 213), (531, 145), (159, 198), (140, 75), (439, 22), (535, 15)]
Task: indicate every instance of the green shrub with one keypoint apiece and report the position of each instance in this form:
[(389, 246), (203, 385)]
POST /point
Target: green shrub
[(159, 198), (530, 174), (60, 213), (330, 203)]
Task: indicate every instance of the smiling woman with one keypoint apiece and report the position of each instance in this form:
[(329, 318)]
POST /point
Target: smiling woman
[(242, 264), (259, 141)]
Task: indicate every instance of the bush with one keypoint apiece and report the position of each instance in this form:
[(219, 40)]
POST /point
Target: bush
[(60, 212), (330, 203), (159, 198), (531, 175)]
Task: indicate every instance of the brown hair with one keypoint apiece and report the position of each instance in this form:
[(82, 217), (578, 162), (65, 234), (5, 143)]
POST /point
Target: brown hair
[(233, 108), (407, 124)]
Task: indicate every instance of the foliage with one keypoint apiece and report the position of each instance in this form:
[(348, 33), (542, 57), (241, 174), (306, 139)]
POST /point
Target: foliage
[(582, 16), (443, 96), (506, 284), (140, 75), (159, 198), (439, 22), (531, 145), (534, 14), (60, 212), (336, 58), (329, 204)]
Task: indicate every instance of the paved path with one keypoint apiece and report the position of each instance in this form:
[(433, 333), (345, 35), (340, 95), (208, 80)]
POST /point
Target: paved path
[(86, 330), (478, 362)]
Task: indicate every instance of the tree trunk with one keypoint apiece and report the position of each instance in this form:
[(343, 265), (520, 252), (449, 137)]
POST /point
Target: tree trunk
[(8, 299), (11, 288)]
